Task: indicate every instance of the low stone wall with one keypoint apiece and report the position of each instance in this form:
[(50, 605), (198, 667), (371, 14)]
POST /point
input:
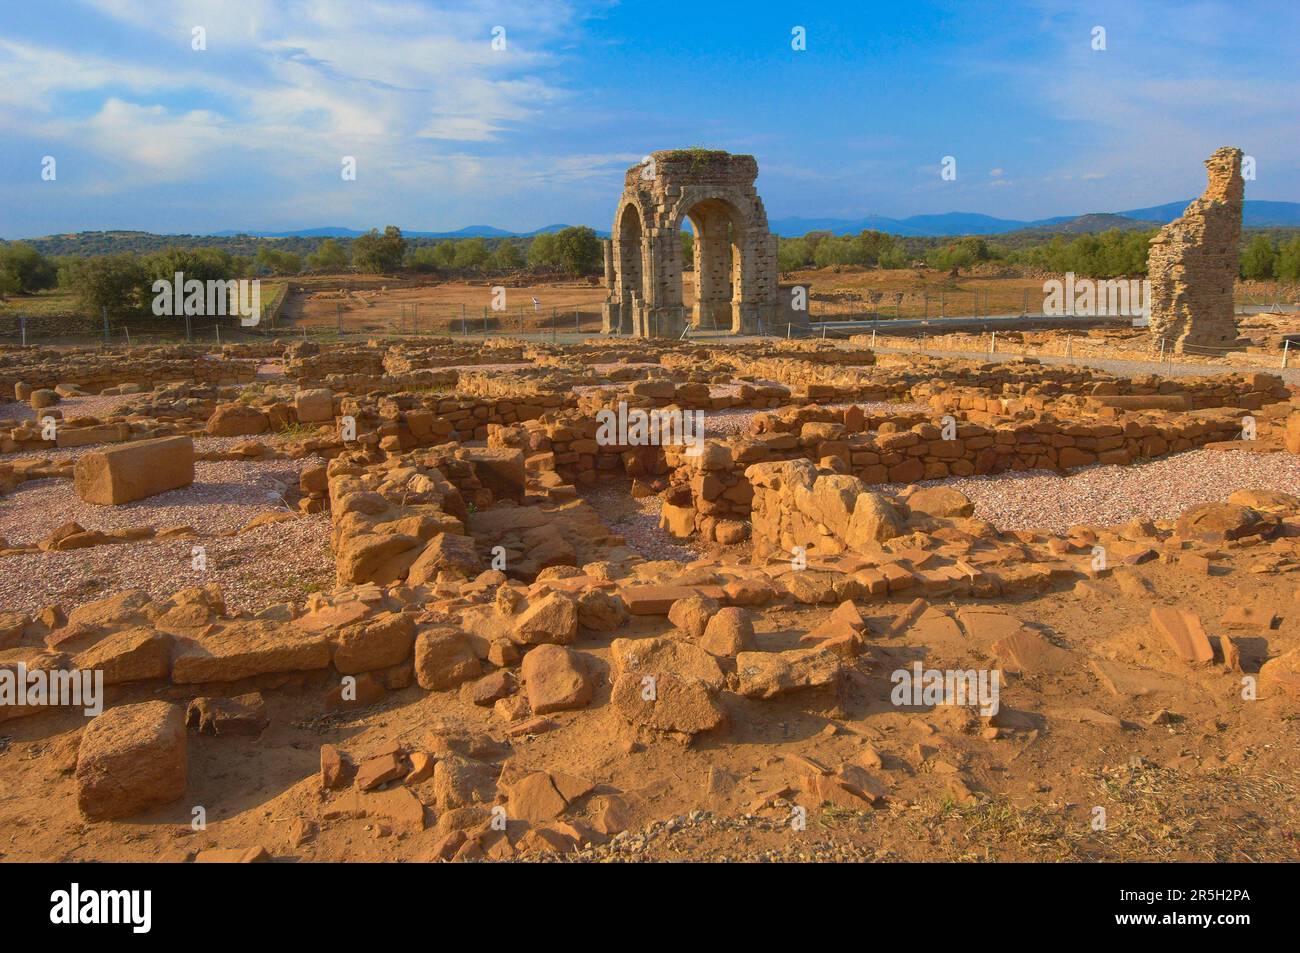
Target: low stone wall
[(712, 495), (1247, 392), (97, 369)]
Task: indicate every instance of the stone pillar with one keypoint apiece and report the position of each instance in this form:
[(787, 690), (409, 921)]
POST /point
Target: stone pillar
[(1193, 265)]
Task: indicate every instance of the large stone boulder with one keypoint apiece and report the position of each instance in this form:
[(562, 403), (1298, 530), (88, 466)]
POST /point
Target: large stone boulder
[(443, 659), (549, 619), (940, 501), (237, 420), (131, 758), (135, 471), (768, 674), (314, 406), (875, 519), (554, 679), (446, 552), (1224, 521)]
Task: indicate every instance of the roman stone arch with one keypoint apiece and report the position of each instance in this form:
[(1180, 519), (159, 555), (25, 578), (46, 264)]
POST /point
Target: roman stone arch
[(719, 228), (735, 254)]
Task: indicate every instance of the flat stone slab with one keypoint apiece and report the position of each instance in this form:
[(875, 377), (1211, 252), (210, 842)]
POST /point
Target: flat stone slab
[(135, 471), (228, 653)]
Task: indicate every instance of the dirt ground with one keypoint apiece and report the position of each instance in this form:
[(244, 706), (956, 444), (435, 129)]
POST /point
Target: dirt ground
[(415, 304), (1215, 779)]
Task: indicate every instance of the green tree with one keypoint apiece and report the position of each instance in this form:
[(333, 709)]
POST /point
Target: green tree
[(837, 250), (444, 255), (375, 254), (329, 256), (507, 257), (1288, 261), (471, 254), (279, 262), (1257, 259), (118, 283), (579, 250), (688, 249), (543, 252), (422, 258), (27, 269), (793, 254)]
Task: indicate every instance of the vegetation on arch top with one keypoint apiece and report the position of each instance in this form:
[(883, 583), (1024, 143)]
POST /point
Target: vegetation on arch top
[(701, 158)]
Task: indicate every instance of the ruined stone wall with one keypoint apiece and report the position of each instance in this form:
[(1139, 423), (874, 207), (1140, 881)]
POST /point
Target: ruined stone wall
[(1193, 263), (95, 370), (1246, 392), (712, 495)]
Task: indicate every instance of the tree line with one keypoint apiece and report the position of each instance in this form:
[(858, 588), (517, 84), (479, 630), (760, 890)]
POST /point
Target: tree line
[(1114, 253), (121, 282)]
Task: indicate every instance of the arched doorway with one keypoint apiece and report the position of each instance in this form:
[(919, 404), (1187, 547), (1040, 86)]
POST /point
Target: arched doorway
[(717, 254)]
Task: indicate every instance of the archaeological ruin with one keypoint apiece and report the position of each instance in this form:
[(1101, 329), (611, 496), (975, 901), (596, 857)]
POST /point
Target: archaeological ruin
[(735, 267), (1193, 264), (400, 599)]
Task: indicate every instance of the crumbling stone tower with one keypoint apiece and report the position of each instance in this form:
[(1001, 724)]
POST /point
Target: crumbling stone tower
[(735, 254), (1193, 263)]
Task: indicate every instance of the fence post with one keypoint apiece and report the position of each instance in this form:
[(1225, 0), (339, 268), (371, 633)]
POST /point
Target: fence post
[(1286, 351), (218, 327), (128, 335), (189, 334), (993, 342), (22, 327), (873, 337)]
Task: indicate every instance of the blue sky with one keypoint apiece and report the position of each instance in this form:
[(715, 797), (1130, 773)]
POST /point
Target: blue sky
[(150, 134)]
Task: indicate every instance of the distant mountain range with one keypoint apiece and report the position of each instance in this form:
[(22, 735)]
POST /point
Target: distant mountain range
[(1255, 214), (469, 231)]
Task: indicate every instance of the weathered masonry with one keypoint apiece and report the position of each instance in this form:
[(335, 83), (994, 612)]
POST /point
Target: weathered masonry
[(1193, 264), (735, 254)]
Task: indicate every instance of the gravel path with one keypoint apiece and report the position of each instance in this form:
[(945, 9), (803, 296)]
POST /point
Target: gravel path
[(201, 445), (271, 564), (1114, 495), (69, 406), (224, 496)]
